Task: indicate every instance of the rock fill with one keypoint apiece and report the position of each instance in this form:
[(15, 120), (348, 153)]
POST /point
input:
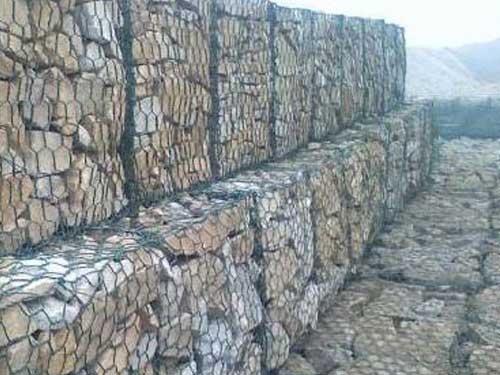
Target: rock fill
[(185, 185)]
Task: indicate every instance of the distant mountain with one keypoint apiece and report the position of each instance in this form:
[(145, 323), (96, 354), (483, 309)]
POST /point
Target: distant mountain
[(482, 59), (470, 71)]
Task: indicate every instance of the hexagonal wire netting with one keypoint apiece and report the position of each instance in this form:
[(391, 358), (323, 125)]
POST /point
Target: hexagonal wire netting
[(116, 255)]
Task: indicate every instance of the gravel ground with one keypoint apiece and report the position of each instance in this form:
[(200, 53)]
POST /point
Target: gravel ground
[(427, 297)]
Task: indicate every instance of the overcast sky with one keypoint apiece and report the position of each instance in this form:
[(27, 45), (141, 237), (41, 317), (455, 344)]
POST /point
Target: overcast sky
[(428, 23)]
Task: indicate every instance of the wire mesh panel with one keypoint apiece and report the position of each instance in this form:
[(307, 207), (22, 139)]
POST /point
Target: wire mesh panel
[(417, 119), (292, 79), (328, 33), (102, 97), (61, 117), (170, 57), (400, 79), (329, 210), (395, 135), (374, 71), (395, 60), (241, 69), (364, 178), (352, 64), (391, 60), (223, 280), (284, 254), (210, 239), (85, 306)]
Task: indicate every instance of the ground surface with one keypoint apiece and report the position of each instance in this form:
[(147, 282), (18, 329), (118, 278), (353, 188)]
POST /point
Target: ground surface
[(427, 300)]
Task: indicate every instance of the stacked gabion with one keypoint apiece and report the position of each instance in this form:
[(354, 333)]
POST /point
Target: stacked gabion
[(172, 103), (223, 280), (241, 77), (173, 94), (374, 71), (328, 55), (148, 98), (61, 117), (292, 55), (353, 82)]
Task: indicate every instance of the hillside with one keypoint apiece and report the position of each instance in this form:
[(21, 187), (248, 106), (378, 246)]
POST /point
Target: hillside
[(482, 59), (468, 71)]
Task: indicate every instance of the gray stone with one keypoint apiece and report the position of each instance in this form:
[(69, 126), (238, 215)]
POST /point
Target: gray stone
[(97, 20)]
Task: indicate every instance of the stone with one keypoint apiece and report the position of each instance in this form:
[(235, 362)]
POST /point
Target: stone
[(116, 359), (145, 353), (15, 18), (84, 139), (175, 338), (9, 68), (50, 313), (20, 356), (276, 347), (244, 123), (147, 115), (4, 145), (327, 77), (297, 365), (15, 323), (47, 16), (215, 347), (293, 57), (50, 187), (18, 291), (37, 116), (97, 21), (58, 352), (93, 59), (184, 369)]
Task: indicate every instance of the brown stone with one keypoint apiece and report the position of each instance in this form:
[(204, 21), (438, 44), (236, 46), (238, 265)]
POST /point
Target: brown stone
[(57, 354)]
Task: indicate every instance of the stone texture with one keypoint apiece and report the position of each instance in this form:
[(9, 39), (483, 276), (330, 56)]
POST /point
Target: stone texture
[(424, 301), (241, 126), (225, 279), (374, 69), (170, 52), (353, 83), (292, 56), (328, 34), (62, 70), (63, 119)]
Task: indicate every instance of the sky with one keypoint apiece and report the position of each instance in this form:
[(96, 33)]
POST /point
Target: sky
[(428, 23)]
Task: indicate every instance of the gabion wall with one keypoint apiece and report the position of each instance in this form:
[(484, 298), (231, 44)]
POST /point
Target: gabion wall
[(62, 110), (292, 67), (353, 80), (141, 231), (107, 104), (171, 96), (328, 55), (241, 63), (221, 280)]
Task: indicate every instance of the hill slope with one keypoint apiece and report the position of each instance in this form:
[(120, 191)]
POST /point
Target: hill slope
[(470, 71), (482, 59)]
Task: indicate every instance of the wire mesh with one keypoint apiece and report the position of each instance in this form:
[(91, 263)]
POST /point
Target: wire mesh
[(374, 69), (222, 280), (61, 117), (292, 64), (169, 52), (352, 63), (328, 75), (115, 257)]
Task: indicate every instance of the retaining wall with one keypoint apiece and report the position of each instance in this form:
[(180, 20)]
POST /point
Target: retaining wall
[(107, 104), (221, 280), (116, 116)]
